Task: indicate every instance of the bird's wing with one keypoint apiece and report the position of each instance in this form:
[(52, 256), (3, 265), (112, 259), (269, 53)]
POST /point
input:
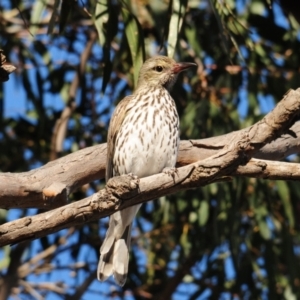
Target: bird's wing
[(114, 127)]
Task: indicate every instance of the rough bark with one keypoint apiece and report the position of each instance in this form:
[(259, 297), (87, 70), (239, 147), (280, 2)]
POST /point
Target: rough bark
[(232, 159), (48, 187)]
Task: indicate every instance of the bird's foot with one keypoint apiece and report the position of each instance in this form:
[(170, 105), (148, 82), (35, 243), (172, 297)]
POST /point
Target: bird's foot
[(133, 176), (135, 179), (170, 171)]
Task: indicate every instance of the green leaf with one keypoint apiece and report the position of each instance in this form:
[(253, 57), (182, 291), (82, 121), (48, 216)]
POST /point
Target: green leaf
[(237, 48), (264, 229), (191, 34), (284, 194), (288, 293), (218, 14), (100, 18), (181, 205), (135, 39), (5, 260), (64, 92), (37, 13), (52, 22), (3, 215), (166, 210), (193, 217), (188, 278), (213, 188), (203, 213), (257, 8), (106, 22), (179, 9), (184, 240)]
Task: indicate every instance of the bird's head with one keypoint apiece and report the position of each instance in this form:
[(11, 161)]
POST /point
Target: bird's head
[(161, 71)]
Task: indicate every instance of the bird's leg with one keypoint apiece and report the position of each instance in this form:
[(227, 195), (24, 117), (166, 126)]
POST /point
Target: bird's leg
[(171, 171), (132, 176)]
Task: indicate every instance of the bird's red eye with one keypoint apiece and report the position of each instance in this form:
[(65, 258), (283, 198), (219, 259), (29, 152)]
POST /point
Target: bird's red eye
[(158, 68)]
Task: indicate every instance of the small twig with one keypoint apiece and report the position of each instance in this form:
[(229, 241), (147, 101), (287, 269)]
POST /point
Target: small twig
[(56, 287), (29, 289), (60, 127)]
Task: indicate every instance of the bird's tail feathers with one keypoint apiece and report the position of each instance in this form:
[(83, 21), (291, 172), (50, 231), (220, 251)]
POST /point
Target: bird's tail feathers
[(120, 261), (109, 240), (114, 256)]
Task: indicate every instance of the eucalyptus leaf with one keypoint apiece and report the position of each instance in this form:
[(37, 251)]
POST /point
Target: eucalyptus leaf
[(36, 15), (178, 12), (283, 191), (203, 213), (135, 41)]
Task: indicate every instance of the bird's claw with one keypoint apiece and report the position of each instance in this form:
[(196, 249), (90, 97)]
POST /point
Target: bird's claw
[(135, 178), (132, 176), (170, 171)]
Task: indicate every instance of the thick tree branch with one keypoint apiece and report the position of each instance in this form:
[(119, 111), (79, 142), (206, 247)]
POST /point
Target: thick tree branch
[(49, 186), (269, 170), (121, 192), (285, 145)]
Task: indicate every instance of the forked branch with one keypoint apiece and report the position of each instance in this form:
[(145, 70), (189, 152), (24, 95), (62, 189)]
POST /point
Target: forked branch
[(121, 192)]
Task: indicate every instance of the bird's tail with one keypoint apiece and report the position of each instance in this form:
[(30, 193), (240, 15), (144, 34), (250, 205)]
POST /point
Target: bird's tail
[(114, 252)]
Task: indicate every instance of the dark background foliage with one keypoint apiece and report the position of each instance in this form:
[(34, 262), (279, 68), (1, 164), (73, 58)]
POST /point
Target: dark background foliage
[(237, 239)]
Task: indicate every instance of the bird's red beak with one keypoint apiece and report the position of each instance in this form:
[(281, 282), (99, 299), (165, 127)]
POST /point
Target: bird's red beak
[(179, 67)]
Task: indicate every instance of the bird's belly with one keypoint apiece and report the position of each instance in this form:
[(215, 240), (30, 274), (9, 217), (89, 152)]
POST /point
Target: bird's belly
[(148, 148), (153, 158)]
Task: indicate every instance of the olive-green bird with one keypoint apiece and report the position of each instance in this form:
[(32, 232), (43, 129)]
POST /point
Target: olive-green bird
[(143, 140)]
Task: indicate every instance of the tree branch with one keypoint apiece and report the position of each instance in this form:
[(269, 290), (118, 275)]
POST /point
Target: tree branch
[(60, 127), (10, 279), (285, 145), (123, 191), (49, 186)]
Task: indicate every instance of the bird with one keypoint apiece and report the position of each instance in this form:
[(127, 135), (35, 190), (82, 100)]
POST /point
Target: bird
[(142, 140)]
